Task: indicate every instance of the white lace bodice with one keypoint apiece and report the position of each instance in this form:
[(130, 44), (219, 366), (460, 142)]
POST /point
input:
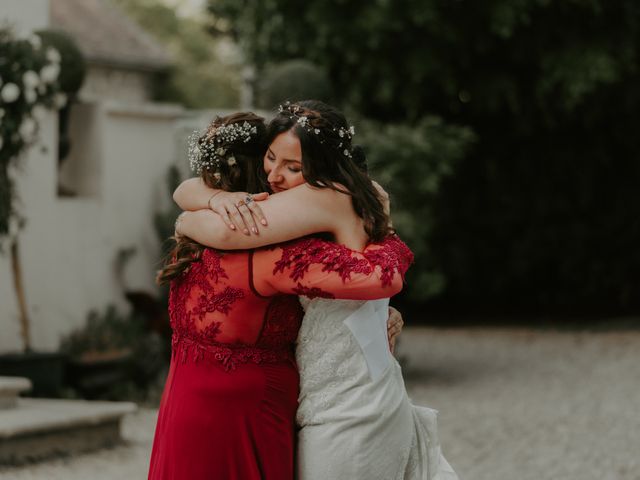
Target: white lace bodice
[(356, 423), (324, 353)]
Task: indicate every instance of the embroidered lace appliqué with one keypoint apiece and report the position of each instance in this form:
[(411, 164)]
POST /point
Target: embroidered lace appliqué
[(218, 302), (211, 261), (394, 256), (300, 255), (201, 277), (187, 348), (192, 342), (282, 322)]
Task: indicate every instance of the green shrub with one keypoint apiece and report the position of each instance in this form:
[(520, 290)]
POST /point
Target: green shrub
[(29, 86), (411, 163), (111, 333), (292, 80), (542, 214), (73, 66), (103, 332)]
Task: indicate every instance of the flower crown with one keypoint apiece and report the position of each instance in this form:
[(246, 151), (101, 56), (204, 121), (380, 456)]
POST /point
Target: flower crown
[(313, 123), (207, 150)]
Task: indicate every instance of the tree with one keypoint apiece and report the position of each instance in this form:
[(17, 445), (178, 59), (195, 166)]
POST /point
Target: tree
[(29, 85), (206, 73), (542, 212)]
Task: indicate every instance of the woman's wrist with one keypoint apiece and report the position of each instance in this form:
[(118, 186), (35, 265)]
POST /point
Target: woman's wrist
[(217, 192)]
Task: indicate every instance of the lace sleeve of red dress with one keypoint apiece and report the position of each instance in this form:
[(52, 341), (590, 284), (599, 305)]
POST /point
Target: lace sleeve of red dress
[(317, 268)]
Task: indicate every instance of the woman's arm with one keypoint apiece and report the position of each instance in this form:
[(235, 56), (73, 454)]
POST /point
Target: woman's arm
[(317, 268), (294, 213), (193, 194)]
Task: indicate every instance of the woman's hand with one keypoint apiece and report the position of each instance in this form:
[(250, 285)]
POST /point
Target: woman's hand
[(239, 210), (394, 327)]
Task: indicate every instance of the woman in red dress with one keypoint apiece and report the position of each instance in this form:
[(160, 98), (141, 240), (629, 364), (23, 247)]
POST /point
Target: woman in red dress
[(229, 403)]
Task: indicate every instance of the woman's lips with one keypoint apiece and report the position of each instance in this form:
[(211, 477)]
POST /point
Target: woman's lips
[(275, 188)]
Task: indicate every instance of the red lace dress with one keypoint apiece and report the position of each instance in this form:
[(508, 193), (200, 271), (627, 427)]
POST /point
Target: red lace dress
[(229, 402)]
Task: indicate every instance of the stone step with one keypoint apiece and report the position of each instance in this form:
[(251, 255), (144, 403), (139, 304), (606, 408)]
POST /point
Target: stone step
[(10, 388), (37, 429)]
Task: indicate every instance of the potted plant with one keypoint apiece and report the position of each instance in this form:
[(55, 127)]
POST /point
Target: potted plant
[(111, 354), (29, 86), (98, 353)]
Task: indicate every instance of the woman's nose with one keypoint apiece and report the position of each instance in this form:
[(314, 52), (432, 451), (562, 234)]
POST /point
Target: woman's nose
[(274, 176)]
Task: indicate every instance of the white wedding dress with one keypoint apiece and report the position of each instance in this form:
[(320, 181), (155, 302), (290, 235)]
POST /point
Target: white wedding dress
[(356, 420)]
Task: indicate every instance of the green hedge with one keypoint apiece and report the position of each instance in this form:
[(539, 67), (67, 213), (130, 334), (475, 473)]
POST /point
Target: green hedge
[(292, 80), (542, 213), (411, 163)]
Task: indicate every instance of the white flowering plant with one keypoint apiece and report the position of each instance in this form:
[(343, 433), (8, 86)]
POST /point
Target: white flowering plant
[(29, 86)]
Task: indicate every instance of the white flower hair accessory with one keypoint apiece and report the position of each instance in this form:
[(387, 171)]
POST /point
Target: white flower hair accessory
[(207, 150), (306, 119)]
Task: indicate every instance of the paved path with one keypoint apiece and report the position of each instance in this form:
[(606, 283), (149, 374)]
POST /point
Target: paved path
[(514, 405)]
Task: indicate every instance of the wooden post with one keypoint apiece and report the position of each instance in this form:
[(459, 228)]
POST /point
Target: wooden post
[(22, 303)]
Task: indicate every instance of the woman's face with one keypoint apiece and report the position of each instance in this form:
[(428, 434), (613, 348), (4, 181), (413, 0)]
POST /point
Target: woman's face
[(283, 162)]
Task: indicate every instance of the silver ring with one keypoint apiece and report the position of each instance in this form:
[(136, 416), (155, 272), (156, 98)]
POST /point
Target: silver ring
[(248, 199)]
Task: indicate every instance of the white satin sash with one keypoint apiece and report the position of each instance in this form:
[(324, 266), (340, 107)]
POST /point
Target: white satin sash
[(368, 325)]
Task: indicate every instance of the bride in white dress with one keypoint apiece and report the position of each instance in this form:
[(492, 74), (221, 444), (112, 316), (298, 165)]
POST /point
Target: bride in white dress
[(355, 418)]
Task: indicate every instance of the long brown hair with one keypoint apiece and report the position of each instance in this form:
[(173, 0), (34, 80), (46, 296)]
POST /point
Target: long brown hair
[(241, 175), (330, 160)]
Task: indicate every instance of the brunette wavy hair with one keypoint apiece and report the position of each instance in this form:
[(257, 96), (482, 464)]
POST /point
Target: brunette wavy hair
[(330, 160), (243, 175)]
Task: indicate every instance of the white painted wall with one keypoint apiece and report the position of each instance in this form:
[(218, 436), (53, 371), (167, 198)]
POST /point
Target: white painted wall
[(25, 15), (69, 244)]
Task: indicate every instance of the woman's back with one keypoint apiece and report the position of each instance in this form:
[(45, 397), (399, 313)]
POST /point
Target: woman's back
[(242, 306), (231, 392), (216, 311)]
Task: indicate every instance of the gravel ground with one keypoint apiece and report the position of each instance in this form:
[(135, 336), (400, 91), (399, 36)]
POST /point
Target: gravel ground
[(531, 405), (514, 405)]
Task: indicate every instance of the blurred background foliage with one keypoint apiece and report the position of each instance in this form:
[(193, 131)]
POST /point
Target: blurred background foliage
[(412, 161), (507, 131), (291, 80), (207, 69)]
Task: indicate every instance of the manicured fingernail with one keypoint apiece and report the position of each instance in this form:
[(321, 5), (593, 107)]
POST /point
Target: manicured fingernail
[(232, 227), (263, 221), (246, 232), (254, 230)]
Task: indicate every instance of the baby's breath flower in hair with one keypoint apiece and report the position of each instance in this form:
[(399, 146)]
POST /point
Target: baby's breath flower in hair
[(208, 149), (198, 157), (309, 120)]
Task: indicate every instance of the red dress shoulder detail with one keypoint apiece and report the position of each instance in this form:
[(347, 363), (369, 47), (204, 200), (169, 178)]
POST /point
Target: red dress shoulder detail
[(299, 255), (393, 256)]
